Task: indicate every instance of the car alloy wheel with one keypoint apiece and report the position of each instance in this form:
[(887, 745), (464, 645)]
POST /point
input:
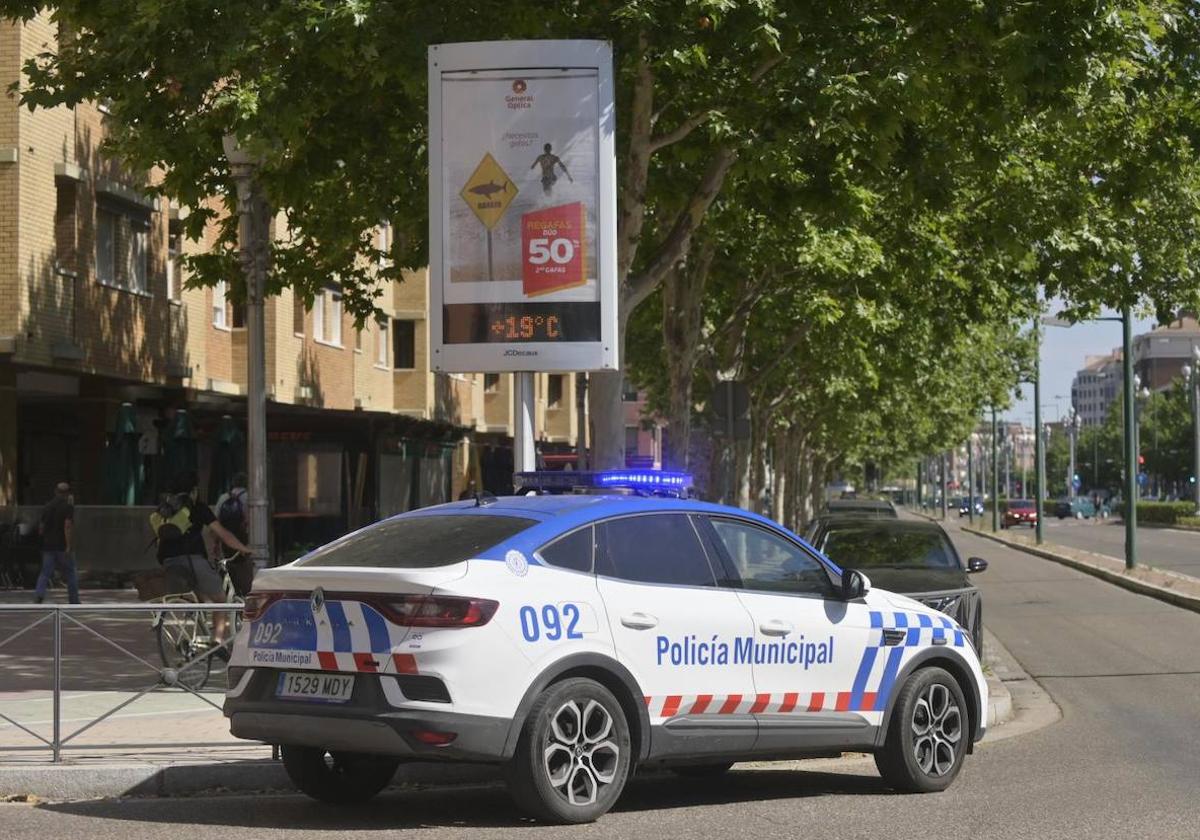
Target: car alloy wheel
[(937, 730), (574, 753), (579, 755), (927, 735)]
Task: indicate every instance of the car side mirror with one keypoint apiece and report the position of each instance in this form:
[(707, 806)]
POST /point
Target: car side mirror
[(976, 564), (855, 584)]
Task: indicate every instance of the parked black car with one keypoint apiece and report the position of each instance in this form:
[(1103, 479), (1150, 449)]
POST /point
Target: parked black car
[(877, 508), (915, 559)]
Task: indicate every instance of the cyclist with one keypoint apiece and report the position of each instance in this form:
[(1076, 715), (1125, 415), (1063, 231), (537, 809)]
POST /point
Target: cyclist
[(179, 524)]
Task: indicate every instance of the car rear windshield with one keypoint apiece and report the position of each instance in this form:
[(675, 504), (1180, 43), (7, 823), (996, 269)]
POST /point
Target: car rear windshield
[(863, 547), (418, 542)]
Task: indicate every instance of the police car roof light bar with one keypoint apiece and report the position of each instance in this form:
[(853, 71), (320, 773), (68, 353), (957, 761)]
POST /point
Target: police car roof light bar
[(650, 482)]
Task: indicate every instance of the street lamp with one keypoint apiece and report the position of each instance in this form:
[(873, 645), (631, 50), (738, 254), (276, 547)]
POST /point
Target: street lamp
[(254, 219), (1191, 376), (1074, 423), (1126, 320), (1141, 394)]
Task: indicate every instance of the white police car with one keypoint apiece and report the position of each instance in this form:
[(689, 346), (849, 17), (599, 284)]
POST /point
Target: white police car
[(573, 638)]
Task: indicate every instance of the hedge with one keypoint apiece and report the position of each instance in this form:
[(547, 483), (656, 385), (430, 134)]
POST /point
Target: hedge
[(1165, 513)]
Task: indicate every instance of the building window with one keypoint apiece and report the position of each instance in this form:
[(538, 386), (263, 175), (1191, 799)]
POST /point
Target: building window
[(327, 317), (220, 308), (404, 344), (174, 268), (381, 342), (491, 383), (106, 247), (554, 390), (384, 244), (631, 440), (297, 314), (64, 227), (628, 392), (137, 255)]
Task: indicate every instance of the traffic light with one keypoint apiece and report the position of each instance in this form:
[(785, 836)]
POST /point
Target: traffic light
[(1141, 460)]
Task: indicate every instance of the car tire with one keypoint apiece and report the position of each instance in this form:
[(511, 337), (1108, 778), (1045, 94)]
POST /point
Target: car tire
[(338, 778), (573, 756), (928, 735), (702, 771)]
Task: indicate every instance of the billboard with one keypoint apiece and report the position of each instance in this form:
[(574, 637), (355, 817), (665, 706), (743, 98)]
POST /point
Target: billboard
[(522, 207)]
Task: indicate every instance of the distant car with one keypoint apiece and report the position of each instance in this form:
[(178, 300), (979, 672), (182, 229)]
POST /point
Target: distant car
[(1081, 507), (916, 559), (965, 505), (1020, 512), (878, 508)]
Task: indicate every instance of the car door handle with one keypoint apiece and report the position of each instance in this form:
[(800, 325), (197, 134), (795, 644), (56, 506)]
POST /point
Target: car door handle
[(775, 627), (639, 621)]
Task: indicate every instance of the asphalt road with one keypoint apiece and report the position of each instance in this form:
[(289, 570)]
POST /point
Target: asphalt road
[(1163, 548), (1123, 762)]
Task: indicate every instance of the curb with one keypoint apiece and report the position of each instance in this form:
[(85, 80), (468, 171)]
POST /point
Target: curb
[(1162, 593), (84, 781)]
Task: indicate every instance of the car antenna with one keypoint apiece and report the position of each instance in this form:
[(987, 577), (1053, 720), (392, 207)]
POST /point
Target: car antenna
[(483, 497)]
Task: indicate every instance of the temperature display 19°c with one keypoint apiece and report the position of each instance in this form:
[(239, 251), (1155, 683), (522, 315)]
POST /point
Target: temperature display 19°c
[(527, 328), (520, 323)]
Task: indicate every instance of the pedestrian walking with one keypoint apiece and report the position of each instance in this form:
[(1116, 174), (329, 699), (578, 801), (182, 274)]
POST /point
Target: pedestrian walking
[(57, 527), (179, 524)]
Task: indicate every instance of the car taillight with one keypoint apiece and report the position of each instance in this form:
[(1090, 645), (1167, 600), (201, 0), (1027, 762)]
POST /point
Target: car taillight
[(257, 602), (439, 611)]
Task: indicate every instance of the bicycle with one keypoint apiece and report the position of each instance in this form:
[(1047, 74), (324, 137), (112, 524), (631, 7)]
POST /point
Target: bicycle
[(186, 642)]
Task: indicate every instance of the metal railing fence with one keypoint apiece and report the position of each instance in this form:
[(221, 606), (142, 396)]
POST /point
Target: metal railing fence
[(168, 676)]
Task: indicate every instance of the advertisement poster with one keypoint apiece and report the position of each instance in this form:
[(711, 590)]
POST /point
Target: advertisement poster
[(520, 210)]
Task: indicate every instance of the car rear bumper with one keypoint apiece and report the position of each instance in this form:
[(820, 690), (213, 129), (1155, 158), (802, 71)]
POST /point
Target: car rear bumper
[(369, 722)]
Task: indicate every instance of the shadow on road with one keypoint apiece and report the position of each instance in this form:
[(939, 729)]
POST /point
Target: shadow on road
[(484, 806)]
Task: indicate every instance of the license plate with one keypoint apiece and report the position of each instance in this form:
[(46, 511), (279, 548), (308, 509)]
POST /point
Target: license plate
[(316, 686)]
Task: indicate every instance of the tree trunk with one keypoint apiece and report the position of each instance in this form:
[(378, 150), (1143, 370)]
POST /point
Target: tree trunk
[(608, 419), (781, 458), (682, 313)]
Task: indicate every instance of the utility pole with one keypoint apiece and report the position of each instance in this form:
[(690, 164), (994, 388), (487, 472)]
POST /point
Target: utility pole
[(995, 478), (971, 479), (1131, 465), (254, 226), (943, 485), (581, 417), (1039, 450), (1191, 377)]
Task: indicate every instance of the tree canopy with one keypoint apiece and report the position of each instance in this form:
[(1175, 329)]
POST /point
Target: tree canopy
[(855, 205)]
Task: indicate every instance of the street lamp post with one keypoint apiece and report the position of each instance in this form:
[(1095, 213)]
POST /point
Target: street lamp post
[(1130, 444), (971, 479), (1074, 422), (1191, 377), (1039, 450), (254, 219), (942, 479), (995, 478)]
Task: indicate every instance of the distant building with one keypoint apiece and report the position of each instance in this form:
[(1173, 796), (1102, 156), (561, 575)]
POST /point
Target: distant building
[(1159, 354), (1096, 385)]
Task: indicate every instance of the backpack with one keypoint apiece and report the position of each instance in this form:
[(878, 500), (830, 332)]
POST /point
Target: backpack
[(232, 513), (172, 518)]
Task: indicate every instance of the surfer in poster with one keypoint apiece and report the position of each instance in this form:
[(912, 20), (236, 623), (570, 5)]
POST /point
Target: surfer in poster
[(548, 160)]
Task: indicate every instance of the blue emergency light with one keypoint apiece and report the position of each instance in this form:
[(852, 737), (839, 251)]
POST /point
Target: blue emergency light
[(645, 482)]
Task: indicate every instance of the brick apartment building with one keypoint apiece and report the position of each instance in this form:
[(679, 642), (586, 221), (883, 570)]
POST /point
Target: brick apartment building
[(104, 350)]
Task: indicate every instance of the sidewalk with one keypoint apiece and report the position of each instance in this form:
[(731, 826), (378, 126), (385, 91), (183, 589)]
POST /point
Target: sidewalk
[(1172, 587), (171, 743)]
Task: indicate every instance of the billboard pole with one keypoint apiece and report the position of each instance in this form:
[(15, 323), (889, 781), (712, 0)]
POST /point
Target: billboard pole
[(524, 456)]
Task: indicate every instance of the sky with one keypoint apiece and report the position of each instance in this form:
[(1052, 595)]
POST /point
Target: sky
[(1063, 353)]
